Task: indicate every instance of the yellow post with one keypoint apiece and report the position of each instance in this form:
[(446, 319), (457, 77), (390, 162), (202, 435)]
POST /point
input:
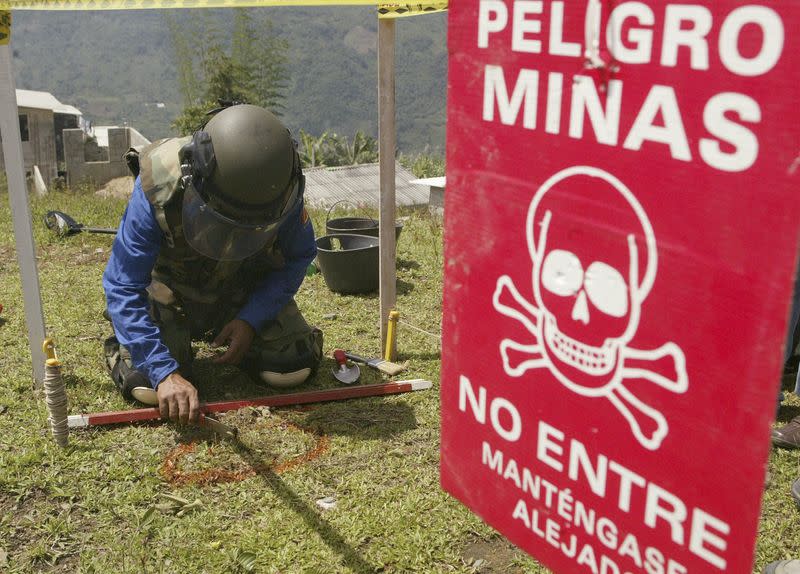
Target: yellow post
[(49, 349), (391, 336)]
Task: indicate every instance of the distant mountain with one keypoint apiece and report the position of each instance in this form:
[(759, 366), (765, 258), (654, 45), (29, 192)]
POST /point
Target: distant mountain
[(118, 66)]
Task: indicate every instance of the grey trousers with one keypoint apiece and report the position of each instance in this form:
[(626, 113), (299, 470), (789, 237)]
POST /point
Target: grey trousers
[(285, 344)]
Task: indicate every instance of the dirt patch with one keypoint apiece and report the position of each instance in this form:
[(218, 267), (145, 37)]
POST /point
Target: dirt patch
[(202, 465), (118, 188), (7, 503), (495, 555), (8, 258), (91, 256), (27, 539), (61, 255)]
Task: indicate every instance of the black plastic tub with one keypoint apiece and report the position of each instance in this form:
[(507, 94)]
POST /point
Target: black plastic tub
[(349, 262), (358, 225)]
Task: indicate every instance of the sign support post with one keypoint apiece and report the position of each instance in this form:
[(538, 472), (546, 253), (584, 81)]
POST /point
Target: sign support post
[(387, 131)]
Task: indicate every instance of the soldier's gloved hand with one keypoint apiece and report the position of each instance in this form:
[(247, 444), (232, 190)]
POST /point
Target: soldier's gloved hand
[(238, 335), (177, 399)]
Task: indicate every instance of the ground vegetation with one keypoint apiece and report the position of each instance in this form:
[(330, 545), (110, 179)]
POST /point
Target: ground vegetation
[(162, 498)]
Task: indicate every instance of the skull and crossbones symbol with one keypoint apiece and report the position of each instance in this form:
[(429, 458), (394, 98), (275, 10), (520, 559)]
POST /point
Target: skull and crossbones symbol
[(594, 263)]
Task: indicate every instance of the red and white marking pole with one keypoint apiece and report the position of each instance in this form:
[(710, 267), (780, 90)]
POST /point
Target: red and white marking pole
[(337, 394)]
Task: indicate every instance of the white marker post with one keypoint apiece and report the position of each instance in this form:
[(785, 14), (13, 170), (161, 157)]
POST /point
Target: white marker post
[(20, 211)]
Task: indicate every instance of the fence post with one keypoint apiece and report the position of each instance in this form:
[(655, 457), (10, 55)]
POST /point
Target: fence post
[(20, 210)]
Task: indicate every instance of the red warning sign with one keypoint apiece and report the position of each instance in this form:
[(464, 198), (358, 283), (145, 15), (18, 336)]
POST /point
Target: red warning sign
[(621, 238)]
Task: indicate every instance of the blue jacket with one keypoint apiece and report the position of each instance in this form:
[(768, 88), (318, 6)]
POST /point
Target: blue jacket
[(127, 276)]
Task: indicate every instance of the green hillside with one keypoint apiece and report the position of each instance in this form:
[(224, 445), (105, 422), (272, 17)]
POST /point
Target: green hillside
[(116, 66)]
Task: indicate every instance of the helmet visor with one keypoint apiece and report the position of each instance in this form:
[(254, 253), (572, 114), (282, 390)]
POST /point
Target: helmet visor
[(213, 235)]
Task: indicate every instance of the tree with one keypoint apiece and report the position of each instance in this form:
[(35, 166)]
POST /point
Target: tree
[(331, 149), (311, 148), (425, 164), (260, 55), (250, 68), (364, 149), (187, 78)]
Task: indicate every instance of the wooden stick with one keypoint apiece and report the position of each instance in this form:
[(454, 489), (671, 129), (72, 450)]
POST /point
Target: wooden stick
[(387, 136), (337, 394)]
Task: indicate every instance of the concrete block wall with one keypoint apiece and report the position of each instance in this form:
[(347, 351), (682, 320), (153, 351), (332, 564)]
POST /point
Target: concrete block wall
[(97, 172), (40, 148), (436, 200)]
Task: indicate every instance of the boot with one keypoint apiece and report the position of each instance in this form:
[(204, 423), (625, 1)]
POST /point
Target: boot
[(132, 384)]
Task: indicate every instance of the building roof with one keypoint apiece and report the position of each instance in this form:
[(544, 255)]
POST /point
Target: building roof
[(431, 181), (44, 101), (68, 110), (359, 185)]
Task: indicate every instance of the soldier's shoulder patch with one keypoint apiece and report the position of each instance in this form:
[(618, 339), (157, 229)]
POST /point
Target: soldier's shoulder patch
[(304, 216)]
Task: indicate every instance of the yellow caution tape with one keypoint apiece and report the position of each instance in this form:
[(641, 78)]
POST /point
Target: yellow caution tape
[(151, 4), (393, 10), (400, 10), (5, 27)]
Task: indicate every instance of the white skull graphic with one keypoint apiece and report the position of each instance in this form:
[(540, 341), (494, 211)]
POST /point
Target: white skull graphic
[(594, 260), (594, 263)]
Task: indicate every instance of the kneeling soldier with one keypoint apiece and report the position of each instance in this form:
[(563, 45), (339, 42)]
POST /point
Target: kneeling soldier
[(214, 244)]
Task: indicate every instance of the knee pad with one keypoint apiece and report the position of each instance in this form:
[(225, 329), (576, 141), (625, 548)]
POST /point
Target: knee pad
[(289, 355), (307, 356), (145, 395), (285, 380)]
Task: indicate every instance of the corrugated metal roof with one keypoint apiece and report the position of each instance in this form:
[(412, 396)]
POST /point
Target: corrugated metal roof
[(360, 185), (43, 101)]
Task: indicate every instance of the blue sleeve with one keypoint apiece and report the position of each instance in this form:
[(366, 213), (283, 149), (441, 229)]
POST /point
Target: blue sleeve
[(296, 240), (125, 281)]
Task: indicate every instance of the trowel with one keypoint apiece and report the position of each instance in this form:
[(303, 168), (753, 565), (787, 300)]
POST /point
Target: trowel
[(343, 373), (64, 225)]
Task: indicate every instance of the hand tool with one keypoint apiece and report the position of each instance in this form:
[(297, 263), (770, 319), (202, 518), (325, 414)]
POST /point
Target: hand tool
[(382, 365), (336, 394), (218, 427), (343, 373), (64, 225)]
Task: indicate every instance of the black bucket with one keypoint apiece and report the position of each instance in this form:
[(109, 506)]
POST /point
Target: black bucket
[(357, 225), (349, 263)]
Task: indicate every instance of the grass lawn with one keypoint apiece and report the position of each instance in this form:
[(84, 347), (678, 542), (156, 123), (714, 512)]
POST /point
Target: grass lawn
[(158, 498)]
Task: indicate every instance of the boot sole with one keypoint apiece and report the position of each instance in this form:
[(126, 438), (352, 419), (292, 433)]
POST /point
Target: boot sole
[(779, 442)]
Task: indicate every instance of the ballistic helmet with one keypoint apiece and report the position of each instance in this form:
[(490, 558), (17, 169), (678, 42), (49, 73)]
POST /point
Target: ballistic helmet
[(243, 179)]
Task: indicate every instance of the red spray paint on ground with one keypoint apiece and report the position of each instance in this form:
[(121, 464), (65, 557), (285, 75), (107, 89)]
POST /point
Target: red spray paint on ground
[(172, 474)]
